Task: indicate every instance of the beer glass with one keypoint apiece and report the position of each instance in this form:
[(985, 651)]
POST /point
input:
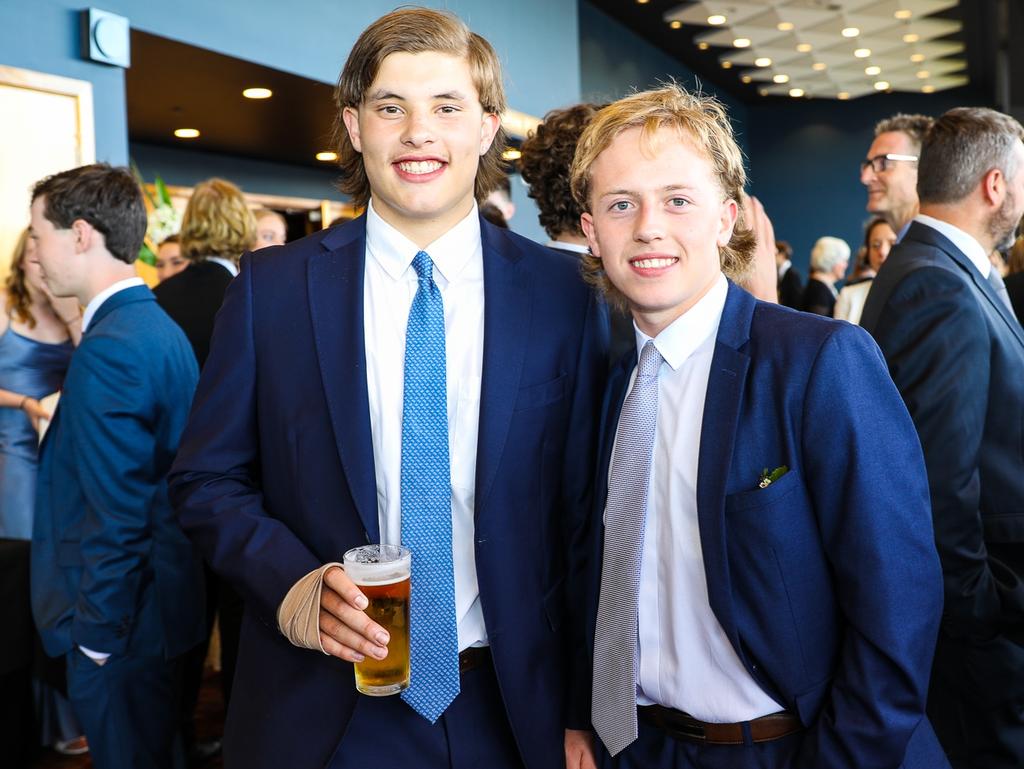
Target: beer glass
[(382, 574)]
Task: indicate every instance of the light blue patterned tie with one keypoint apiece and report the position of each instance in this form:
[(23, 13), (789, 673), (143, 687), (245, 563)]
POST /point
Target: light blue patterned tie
[(427, 504), (613, 708)]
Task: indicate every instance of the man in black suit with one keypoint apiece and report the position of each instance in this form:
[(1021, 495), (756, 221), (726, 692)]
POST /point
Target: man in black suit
[(956, 352), (790, 285)]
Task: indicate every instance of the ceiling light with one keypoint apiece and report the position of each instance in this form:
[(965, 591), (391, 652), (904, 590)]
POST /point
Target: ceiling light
[(186, 133), (818, 66), (862, 53), (922, 74), (703, 46), (327, 157), (796, 93), (763, 61), (850, 32), (882, 85), (726, 65), (763, 91), (642, 2), (873, 70), (843, 95), (805, 47), (911, 37), (676, 24), (746, 79), (927, 89), (917, 58), (784, 26), (741, 42), (716, 20), (257, 93), (511, 154), (903, 14), (780, 79)]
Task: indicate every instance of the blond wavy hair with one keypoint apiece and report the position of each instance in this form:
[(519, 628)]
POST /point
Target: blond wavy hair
[(697, 118), (217, 222)]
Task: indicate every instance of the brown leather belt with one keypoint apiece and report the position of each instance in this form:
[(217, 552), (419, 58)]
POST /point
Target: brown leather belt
[(685, 727), (473, 657)]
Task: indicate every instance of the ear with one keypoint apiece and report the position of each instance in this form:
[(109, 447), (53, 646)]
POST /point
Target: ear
[(728, 215), (488, 128), (590, 230), (993, 187), (84, 234), (351, 119)]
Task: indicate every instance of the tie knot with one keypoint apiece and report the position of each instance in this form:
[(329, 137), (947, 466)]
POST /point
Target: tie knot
[(423, 265), (650, 360)]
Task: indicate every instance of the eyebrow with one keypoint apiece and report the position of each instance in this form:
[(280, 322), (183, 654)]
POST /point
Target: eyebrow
[(666, 188), (383, 95)]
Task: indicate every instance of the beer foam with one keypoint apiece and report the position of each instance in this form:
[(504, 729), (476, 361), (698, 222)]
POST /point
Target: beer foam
[(372, 580)]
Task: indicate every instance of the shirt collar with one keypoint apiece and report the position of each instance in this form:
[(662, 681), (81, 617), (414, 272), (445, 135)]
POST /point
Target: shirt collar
[(970, 247), (784, 268), (681, 338), (450, 253), (104, 295), (227, 264), (565, 246)]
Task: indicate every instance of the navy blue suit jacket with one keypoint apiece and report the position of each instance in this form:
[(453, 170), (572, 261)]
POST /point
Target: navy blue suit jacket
[(276, 477), (956, 354), (826, 582), (111, 568)]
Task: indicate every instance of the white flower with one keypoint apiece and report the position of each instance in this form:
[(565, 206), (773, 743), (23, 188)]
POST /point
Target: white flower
[(163, 222)]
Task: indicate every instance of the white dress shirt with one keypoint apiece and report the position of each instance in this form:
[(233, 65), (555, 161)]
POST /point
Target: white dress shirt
[(686, 660), (970, 247), (104, 295), (389, 285), (227, 264)]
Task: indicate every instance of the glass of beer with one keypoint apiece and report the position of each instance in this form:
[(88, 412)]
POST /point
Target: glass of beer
[(382, 574)]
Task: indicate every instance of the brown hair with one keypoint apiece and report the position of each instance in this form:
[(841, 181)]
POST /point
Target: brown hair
[(416, 30), (108, 198), (914, 126), (546, 158), (18, 300), (217, 222), (960, 148), (703, 120)]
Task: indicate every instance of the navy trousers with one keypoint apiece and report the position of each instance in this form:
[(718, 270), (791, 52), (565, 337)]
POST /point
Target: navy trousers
[(473, 732)]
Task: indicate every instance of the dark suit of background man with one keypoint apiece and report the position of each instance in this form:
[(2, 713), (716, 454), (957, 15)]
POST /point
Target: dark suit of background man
[(115, 584), (791, 285), (763, 589), (956, 352), (296, 449)]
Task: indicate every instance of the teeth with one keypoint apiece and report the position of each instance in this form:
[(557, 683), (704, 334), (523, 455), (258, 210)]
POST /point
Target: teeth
[(653, 264), (420, 166)]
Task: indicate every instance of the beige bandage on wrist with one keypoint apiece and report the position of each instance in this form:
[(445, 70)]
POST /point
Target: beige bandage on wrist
[(298, 616)]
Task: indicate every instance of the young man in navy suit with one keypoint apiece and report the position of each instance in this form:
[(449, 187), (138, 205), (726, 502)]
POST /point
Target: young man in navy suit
[(116, 585), (763, 586), (309, 437), (942, 318)]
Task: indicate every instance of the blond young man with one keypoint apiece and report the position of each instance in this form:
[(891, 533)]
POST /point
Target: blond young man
[(415, 376), (762, 586)]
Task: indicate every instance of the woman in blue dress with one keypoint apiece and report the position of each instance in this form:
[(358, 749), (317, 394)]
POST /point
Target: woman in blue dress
[(37, 336)]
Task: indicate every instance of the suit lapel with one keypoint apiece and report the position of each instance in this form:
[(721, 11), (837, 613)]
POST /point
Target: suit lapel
[(507, 296), (717, 438), (335, 284)]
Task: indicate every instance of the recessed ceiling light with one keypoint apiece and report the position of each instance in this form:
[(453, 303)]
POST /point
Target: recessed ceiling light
[(642, 2), (784, 26), (186, 133), (257, 93), (818, 66), (746, 79), (762, 61), (327, 157), (741, 42), (703, 46), (843, 95), (923, 74), (911, 37), (763, 91), (796, 93), (927, 89), (805, 47), (716, 20), (676, 24), (873, 70), (882, 85), (511, 154), (862, 53), (727, 65), (850, 32), (780, 79), (917, 58), (903, 14)]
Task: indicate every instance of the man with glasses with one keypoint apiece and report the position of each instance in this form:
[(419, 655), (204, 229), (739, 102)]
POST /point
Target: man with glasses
[(890, 169)]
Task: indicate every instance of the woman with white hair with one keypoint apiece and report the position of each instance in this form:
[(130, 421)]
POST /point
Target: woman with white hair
[(829, 259)]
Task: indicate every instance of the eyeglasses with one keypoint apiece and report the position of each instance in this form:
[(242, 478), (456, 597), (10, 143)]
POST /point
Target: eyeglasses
[(880, 163)]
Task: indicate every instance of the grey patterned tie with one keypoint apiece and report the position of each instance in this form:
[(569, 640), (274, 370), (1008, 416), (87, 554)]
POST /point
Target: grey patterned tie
[(613, 708), (1000, 288)]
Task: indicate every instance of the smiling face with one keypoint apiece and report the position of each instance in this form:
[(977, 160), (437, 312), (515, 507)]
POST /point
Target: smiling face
[(421, 131), (892, 193), (657, 220), (881, 239), (169, 261), (30, 267), (62, 262)]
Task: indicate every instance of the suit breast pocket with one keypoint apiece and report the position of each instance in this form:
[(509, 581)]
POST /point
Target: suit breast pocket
[(758, 497), (543, 394)]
